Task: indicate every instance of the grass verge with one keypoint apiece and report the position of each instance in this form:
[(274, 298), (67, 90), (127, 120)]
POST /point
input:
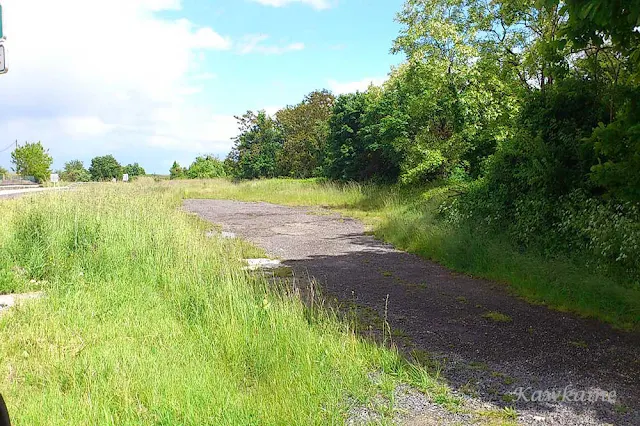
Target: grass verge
[(148, 321)]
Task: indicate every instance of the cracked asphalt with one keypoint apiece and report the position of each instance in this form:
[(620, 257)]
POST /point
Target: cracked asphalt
[(443, 317)]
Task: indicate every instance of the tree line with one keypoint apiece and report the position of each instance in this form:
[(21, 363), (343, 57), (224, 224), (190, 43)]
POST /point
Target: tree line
[(204, 167), (33, 160), (531, 107)]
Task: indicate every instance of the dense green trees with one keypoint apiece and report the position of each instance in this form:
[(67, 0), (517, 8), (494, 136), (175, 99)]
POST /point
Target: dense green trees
[(304, 131), (536, 97), (258, 147), (176, 171), (105, 168), (134, 170), (74, 171), (363, 131), (31, 159), (532, 105), (205, 167)]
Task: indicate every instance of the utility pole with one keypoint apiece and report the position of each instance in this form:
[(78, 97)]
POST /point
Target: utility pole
[(3, 58)]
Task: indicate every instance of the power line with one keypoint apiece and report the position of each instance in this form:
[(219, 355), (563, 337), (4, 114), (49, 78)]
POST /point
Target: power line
[(9, 146)]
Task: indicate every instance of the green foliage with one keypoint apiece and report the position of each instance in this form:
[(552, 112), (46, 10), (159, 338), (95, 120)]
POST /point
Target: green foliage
[(606, 233), (176, 171), (133, 170), (538, 149), (617, 146), (304, 130), (361, 138), (105, 168), (3, 171), (548, 155), (346, 151), (31, 159), (204, 167), (258, 147), (74, 171), (532, 107), (595, 22)]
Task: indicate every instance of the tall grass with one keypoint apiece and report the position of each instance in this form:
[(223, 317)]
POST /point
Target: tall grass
[(409, 218), (147, 321)]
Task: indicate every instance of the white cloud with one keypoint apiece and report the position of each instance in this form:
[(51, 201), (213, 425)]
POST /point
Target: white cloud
[(355, 86), (316, 4), (92, 76), (253, 44), (205, 76), (84, 126), (158, 5), (206, 38)]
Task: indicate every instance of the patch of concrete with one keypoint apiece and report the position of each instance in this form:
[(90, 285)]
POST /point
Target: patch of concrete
[(256, 264), (223, 234), (9, 300)]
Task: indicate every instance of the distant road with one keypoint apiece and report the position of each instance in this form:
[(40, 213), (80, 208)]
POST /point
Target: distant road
[(11, 193)]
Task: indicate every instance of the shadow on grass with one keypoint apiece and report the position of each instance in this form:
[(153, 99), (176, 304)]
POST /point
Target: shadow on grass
[(445, 321)]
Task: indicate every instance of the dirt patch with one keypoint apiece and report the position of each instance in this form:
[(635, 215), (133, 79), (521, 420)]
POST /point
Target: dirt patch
[(451, 320)]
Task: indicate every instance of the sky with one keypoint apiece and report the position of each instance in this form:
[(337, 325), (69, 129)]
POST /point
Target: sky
[(157, 81)]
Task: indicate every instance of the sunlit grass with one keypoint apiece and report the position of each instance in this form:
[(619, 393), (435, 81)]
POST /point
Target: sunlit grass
[(145, 320), (408, 218)]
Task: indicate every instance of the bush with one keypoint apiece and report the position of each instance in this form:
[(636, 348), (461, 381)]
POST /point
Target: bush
[(74, 171), (607, 231), (601, 234), (206, 167), (618, 148)]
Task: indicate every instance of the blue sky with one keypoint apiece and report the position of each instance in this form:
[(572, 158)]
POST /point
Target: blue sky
[(155, 81)]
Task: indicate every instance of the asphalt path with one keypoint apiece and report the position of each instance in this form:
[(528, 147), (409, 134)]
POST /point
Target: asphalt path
[(13, 193), (445, 317)]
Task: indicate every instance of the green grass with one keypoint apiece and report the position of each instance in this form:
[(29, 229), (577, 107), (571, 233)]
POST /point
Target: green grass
[(148, 321), (497, 316), (408, 218)]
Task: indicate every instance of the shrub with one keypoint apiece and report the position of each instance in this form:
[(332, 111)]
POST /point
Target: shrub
[(206, 167)]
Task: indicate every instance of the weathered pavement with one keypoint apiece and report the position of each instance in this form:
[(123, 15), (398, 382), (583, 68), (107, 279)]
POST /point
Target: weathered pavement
[(12, 193), (440, 314)]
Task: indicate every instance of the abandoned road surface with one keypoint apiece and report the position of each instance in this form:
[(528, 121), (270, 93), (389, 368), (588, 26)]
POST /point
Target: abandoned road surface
[(13, 193), (443, 316)]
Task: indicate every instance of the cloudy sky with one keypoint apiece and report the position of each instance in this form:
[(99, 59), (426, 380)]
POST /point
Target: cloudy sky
[(155, 81)]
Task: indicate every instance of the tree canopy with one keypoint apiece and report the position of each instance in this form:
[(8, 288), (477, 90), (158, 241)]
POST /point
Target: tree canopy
[(176, 171), (533, 105), (74, 171), (133, 170), (105, 168), (258, 147), (205, 167), (304, 132), (31, 159)]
